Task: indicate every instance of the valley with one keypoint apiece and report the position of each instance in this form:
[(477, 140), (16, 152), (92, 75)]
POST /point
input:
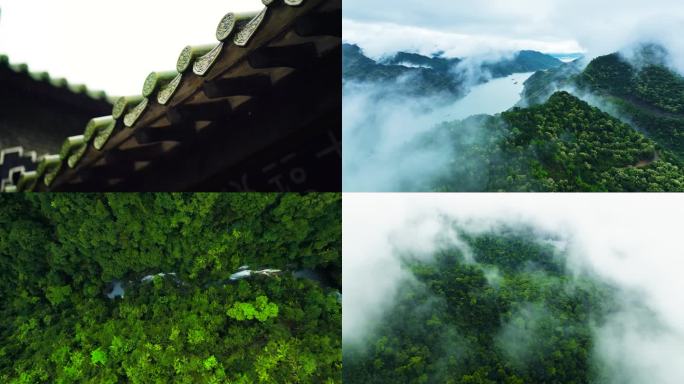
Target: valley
[(606, 124)]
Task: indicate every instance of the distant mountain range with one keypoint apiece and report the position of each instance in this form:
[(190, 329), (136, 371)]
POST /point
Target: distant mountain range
[(522, 61), (436, 74)]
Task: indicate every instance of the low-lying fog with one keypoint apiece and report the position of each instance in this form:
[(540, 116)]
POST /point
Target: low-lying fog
[(380, 130)]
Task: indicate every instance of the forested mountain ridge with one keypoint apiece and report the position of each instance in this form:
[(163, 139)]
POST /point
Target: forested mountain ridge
[(411, 80), (561, 145), (509, 312), (436, 74), (59, 251), (542, 84), (437, 63), (522, 61), (642, 91)]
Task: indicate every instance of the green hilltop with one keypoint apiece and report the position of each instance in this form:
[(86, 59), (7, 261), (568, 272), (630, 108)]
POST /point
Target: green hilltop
[(513, 314)]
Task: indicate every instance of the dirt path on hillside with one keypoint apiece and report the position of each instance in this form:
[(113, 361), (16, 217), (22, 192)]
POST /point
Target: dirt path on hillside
[(646, 163)]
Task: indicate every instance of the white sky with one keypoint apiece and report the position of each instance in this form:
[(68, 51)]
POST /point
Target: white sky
[(633, 240), (108, 45), (467, 27)]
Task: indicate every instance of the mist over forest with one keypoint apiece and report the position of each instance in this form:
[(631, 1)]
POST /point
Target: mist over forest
[(406, 124), (393, 107), (512, 289)]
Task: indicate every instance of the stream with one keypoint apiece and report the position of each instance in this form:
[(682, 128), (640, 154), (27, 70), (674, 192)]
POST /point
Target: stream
[(117, 288)]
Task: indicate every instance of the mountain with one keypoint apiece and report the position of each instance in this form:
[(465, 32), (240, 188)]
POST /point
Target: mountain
[(562, 145), (542, 84), (641, 90), (409, 80), (406, 59), (523, 61), (506, 312), (422, 75)]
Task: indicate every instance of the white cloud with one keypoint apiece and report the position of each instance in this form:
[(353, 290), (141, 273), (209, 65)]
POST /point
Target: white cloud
[(632, 240), (599, 27), (108, 45), (383, 38), (376, 140)]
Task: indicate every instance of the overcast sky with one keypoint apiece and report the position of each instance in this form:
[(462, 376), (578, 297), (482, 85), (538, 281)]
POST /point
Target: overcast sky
[(631, 240), (464, 27), (108, 45)]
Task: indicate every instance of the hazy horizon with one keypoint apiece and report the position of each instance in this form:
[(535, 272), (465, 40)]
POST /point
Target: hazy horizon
[(469, 27)]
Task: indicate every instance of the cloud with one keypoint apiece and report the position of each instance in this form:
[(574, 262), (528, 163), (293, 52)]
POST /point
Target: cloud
[(380, 39), (461, 27), (632, 241), (395, 142), (379, 129)]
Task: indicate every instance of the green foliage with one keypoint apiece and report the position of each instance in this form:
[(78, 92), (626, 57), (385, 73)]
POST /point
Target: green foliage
[(543, 84), (563, 145), (649, 95), (262, 310), (98, 356), (357, 67), (59, 251), (210, 363), (511, 315), (643, 91), (650, 84), (661, 87), (56, 295)]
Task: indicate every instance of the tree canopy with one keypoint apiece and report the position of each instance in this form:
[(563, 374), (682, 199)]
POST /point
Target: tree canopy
[(641, 90), (563, 145), (58, 252), (514, 314)]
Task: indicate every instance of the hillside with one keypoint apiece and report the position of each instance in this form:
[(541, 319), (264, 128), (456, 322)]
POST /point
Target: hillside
[(410, 80), (542, 84), (643, 92), (562, 145), (437, 63), (523, 61), (513, 314)]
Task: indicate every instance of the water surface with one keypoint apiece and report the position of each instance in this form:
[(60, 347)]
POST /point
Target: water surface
[(493, 97)]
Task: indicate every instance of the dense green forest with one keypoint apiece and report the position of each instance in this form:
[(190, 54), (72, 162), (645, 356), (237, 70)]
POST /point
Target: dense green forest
[(423, 81), (59, 252), (562, 145), (512, 315), (644, 92)]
